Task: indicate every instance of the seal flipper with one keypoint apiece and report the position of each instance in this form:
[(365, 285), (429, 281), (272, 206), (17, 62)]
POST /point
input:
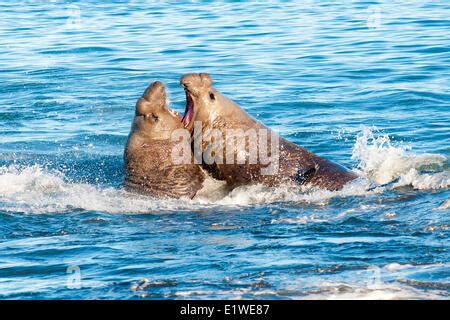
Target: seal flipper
[(304, 175)]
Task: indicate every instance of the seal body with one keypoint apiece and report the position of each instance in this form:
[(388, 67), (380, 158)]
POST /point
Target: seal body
[(148, 161), (208, 110)]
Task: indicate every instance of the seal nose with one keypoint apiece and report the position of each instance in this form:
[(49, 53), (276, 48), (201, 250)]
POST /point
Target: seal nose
[(196, 81), (185, 84), (157, 84), (156, 90), (186, 80)]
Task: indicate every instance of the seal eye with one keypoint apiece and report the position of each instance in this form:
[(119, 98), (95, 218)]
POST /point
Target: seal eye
[(155, 117), (212, 96)]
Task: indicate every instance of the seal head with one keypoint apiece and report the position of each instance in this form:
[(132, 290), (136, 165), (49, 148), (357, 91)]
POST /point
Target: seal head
[(149, 167), (199, 92), (153, 119)]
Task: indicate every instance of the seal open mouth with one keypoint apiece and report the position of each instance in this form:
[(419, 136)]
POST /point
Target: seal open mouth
[(189, 112)]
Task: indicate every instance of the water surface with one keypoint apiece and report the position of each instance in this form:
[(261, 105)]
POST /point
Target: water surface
[(365, 84)]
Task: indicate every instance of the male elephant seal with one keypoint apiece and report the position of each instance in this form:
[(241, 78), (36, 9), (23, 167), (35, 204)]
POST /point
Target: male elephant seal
[(148, 153), (207, 111)]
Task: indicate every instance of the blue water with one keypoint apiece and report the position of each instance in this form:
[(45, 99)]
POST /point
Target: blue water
[(365, 84)]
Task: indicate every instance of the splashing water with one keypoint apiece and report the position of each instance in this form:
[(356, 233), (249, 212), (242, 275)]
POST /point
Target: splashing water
[(35, 189), (383, 162)]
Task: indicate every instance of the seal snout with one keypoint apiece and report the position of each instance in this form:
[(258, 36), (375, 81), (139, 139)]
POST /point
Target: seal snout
[(194, 82), (153, 98), (194, 85), (188, 80), (156, 91)]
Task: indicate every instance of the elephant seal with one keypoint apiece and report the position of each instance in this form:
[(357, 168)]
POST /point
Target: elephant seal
[(148, 161), (207, 110)]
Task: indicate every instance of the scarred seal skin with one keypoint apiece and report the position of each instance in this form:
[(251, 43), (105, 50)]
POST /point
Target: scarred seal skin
[(212, 110), (148, 159)]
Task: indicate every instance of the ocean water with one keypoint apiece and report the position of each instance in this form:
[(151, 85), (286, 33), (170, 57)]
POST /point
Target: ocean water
[(365, 84)]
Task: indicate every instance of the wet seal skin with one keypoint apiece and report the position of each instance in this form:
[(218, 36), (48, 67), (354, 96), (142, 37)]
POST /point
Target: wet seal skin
[(148, 161), (208, 108)]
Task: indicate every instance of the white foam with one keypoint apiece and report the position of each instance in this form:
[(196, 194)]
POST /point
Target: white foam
[(396, 266), (33, 189), (439, 180), (258, 194), (37, 190), (298, 220), (325, 290), (383, 162), (384, 292)]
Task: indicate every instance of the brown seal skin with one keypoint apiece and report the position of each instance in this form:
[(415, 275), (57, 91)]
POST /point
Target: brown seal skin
[(148, 162), (296, 164)]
